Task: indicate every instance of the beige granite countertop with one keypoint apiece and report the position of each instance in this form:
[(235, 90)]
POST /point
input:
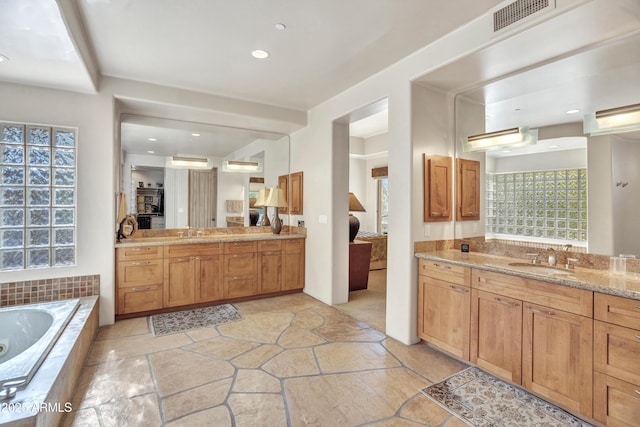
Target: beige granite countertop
[(208, 238), (623, 285)]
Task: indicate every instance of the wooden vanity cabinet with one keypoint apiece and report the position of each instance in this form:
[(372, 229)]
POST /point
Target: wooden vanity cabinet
[(444, 298), (293, 264), (437, 188), (269, 266), (616, 360), (139, 275), (557, 337), (192, 274), (240, 270), (496, 334), (467, 190)]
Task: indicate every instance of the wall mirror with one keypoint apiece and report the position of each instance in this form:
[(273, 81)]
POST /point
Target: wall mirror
[(179, 174), (597, 210)]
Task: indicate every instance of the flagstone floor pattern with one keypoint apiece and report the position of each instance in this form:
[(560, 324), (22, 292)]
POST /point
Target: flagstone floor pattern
[(291, 361)]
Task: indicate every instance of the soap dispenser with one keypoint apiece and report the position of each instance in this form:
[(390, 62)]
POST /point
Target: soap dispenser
[(552, 257)]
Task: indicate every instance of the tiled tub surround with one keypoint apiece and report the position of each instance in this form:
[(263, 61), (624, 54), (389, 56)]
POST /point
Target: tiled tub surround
[(32, 291), (48, 396), (627, 285)]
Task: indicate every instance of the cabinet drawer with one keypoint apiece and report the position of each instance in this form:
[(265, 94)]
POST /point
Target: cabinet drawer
[(139, 298), (193, 250), (138, 253), (138, 273), (443, 271), (617, 351), (269, 245), (240, 247), (236, 287), (293, 245), (618, 310), (615, 402), (240, 265), (572, 300)]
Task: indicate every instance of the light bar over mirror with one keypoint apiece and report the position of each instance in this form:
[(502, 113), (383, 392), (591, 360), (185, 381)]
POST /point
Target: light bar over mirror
[(239, 166), (613, 120), (514, 137), (183, 162)]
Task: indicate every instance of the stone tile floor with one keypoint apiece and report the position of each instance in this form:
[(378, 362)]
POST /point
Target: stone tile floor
[(292, 361)]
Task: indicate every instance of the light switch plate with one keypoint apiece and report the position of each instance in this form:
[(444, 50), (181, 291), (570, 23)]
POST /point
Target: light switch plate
[(322, 219), (427, 230)]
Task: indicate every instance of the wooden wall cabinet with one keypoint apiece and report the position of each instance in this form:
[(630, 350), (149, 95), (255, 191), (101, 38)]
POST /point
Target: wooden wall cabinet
[(283, 183), (467, 190), (296, 199), (444, 299), (437, 188)]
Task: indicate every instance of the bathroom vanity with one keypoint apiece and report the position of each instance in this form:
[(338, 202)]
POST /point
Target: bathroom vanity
[(156, 274), (571, 336)]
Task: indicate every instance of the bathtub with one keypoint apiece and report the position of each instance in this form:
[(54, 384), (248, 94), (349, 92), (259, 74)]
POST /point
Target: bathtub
[(27, 333)]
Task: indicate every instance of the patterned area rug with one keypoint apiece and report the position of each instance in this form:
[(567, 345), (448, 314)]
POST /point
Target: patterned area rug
[(180, 321), (481, 400)]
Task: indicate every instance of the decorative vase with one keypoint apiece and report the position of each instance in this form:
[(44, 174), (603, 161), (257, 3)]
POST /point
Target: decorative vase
[(354, 226), (276, 224)]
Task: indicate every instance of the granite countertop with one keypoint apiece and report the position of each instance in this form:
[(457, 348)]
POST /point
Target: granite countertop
[(208, 238), (623, 285)]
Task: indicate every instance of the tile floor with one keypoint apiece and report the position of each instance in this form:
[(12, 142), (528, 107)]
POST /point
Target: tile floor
[(292, 361)]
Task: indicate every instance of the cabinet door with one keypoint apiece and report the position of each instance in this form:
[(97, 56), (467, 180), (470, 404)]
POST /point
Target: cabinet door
[(283, 183), (468, 190), (208, 275), (179, 281), (269, 272), (139, 273), (296, 196), (557, 358), (444, 314), (616, 351), (437, 188), (615, 402), (496, 335), (293, 265)]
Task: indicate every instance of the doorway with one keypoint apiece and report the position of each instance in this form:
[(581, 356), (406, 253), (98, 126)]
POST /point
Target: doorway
[(203, 196)]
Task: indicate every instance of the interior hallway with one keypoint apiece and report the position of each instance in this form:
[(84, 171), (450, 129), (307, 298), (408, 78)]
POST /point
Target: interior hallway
[(369, 305), (291, 361)]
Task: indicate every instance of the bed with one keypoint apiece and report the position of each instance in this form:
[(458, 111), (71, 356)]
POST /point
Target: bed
[(378, 248)]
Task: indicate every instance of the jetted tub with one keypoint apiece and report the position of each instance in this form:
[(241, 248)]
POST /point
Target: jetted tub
[(27, 333)]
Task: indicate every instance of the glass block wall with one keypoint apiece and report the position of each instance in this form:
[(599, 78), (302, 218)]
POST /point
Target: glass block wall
[(546, 205), (37, 196)]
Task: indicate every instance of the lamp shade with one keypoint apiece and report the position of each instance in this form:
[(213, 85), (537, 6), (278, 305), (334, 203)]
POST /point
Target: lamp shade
[(275, 198), (354, 204), (262, 197)]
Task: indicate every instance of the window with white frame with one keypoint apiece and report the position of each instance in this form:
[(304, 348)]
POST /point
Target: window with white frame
[(547, 206), (383, 205), (37, 196)]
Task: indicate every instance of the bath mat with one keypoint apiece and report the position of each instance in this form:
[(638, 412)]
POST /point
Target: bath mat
[(180, 321), (482, 400)]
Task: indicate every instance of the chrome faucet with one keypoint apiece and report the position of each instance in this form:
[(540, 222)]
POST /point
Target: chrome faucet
[(535, 258)]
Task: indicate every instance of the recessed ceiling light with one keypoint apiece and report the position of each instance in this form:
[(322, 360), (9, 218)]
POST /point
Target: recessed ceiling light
[(151, 152), (553, 146), (573, 111), (3, 58), (260, 54), (195, 134), (152, 139), (280, 26)]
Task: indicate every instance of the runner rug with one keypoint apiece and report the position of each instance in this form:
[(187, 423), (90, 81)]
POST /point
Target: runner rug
[(180, 321), (482, 400)]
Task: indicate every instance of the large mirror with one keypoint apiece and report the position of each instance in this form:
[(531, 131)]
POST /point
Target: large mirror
[(586, 189), (179, 174)]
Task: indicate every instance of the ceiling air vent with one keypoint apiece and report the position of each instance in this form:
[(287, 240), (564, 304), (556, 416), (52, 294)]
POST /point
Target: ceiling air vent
[(517, 11)]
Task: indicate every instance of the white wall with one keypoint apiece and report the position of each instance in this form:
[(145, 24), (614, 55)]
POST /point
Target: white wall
[(625, 196)]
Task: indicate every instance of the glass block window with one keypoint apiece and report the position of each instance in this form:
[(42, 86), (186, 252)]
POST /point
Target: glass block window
[(546, 206), (37, 196)]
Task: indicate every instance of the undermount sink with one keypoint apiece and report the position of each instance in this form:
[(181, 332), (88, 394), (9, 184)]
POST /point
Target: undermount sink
[(539, 268)]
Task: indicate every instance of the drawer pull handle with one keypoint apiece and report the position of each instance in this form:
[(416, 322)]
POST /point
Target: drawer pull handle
[(146, 288), (535, 310), (473, 213), (141, 263), (638, 336), (457, 289), (446, 267), (509, 303), (638, 391), (638, 307), (437, 213)]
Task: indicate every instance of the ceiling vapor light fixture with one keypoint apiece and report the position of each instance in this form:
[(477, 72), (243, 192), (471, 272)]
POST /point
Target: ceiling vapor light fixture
[(3, 58), (152, 139), (239, 166), (280, 26), (613, 120), (573, 111), (183, 162), (195, 134), (514, 137), (260, 54)]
